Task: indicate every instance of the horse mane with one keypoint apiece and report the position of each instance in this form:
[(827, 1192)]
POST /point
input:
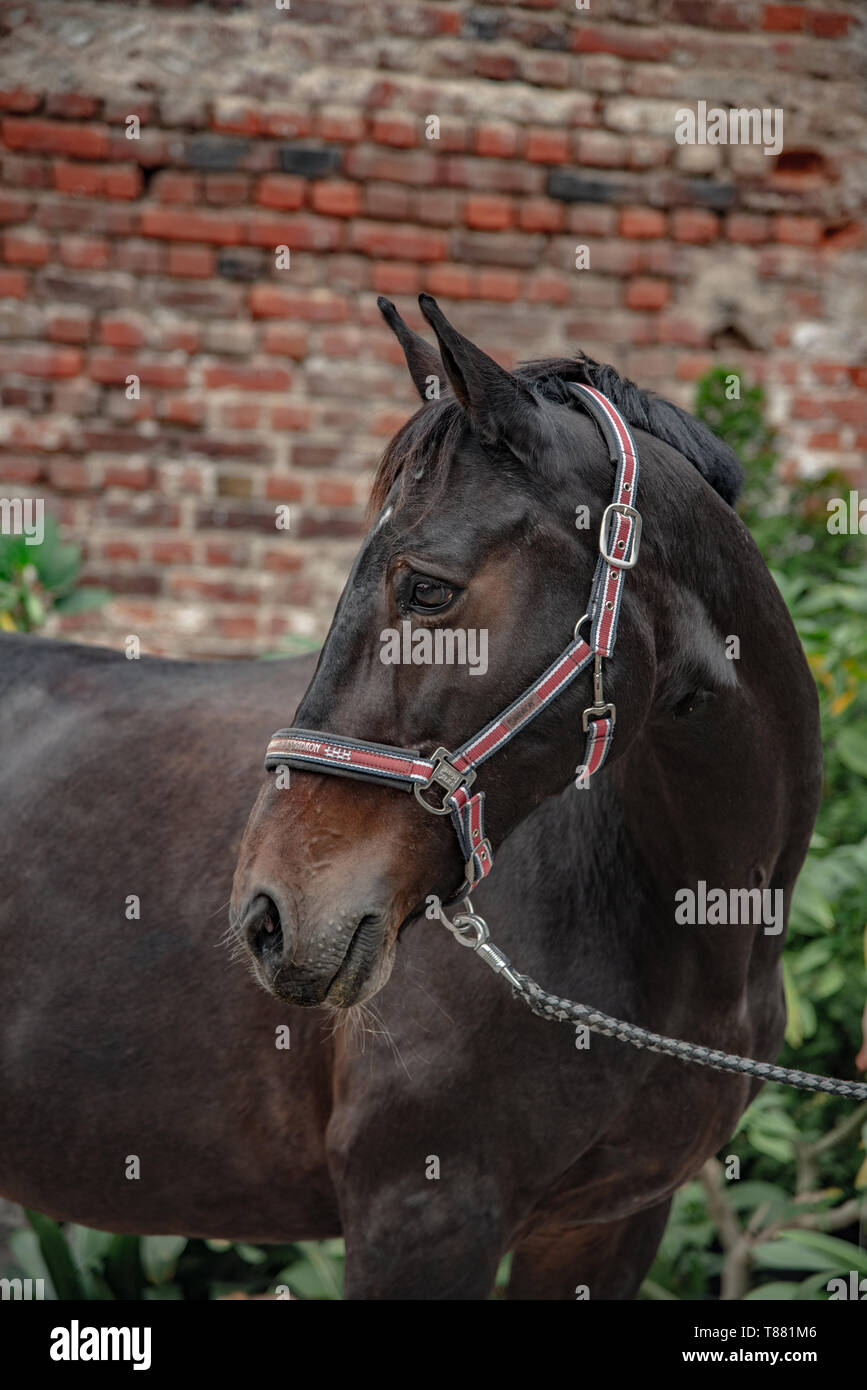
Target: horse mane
[(434, 432)]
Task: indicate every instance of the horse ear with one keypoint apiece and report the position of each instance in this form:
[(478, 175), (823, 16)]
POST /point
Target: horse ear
[(500, 406), (422, 359)]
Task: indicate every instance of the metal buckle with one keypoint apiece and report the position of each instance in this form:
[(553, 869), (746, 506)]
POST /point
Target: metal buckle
[(635, 517), (445, 776), (600, 705)]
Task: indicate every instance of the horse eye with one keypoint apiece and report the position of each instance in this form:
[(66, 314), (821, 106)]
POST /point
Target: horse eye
[(430, 595)]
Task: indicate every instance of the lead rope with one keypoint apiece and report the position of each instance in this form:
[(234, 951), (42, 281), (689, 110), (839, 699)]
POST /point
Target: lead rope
[(469, 929)]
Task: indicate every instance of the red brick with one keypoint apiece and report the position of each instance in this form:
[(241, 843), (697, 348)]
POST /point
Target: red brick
[(346, 127), (285, 124), (285, 342), (291, 417), (25, 248), (96, 180), (119, 550), (747, 227), (171, 186), (625, 43), (498, 140), (120, 333), (298, 233), (19, 100), (227, 188), (502, 285), (549, 287), (828, 439), (387, 200), (393, 128), (541, 215), (14, 208), (140, 257), (136, 477), (798, 231), (190, 226), (113, 370), (182, 410), (71, 106), (282, 191), (248, 378), (694, 224), (195, 262), (331, 493), (85, 253), (241, 415), (42, 362), (783, 19), (398, 243), (266, 301), (547, 146), (450, 282), (591, 219), (645, 293), (19, 171), (826, 24), (488, 213), (336, 199), (172, 552), (68, 328), (13, 284), (396, 277), (497, 67), (49, 137), (643, 223)]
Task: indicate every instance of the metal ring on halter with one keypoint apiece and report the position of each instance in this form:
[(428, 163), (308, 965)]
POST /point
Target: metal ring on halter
[(470, 920), (585, 619)]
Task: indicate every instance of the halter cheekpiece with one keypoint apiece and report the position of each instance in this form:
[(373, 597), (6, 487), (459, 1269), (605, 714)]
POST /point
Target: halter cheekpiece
[(452, 774)]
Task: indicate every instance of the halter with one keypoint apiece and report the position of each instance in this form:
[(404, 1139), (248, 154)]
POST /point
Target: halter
[(454, 773)]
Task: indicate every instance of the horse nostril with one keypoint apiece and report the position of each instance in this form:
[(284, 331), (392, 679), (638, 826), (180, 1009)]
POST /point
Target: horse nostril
[(262, 927)]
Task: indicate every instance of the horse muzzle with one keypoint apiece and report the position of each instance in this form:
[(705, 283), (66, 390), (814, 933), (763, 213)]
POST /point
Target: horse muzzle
[(341, 963)]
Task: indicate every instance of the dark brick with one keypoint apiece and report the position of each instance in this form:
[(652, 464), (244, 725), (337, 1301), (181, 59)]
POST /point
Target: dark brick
[(309, 161), (216, 151), (702, 193), (482, 24), (240, 263), (570, 187)]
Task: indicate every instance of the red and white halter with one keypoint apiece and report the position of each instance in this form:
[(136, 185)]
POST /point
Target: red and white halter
[(619, 537)]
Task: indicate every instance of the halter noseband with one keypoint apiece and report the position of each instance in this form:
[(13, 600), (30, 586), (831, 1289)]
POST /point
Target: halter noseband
[(454, 773)]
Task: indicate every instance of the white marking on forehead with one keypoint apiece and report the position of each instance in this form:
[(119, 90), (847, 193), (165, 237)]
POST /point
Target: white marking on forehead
[(383, 519)]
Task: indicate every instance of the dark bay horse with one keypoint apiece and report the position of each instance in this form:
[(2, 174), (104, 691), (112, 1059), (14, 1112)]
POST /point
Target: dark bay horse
[(458, 1125)]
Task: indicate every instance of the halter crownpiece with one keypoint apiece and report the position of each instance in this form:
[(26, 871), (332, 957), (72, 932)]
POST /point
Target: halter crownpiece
[(454, 773)]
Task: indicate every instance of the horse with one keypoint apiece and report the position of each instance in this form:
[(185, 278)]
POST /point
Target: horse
[(362, 1077)]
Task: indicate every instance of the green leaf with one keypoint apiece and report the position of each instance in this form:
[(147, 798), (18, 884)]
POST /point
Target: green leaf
[(159, 1256), (58, 1257), (776, 1290), (851, 744), (82, 600), (790, 1254), (839, 1253)]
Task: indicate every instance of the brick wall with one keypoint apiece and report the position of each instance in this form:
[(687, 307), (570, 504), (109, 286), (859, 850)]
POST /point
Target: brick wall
[(307, 128)]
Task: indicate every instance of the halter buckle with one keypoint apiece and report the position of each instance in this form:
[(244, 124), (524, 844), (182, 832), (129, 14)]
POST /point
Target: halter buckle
[(623, 509), (446, 776)]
